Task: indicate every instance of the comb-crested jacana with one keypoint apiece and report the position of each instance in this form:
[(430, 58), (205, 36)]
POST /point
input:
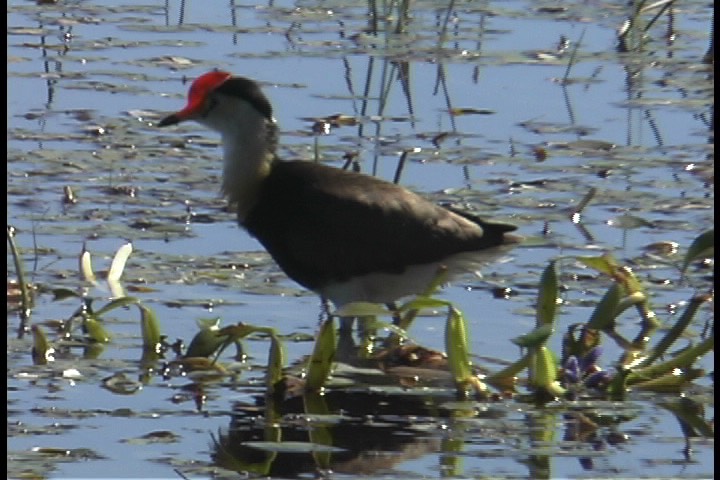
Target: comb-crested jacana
[(344, 235)]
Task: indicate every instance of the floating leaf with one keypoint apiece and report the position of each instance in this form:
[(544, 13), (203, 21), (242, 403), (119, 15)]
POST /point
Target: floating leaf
[(629, 222), (591, 145), (121, 384), (471, 111), (63, 293), (199, 364), (663, 248), (162, 436), (339, 119)]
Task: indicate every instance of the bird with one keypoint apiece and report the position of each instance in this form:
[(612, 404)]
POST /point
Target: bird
[(347, 236)]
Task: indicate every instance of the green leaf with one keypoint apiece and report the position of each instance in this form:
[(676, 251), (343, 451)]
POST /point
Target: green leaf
[(321, 360), (150, 328), (421, 303), (547, 296), (703, 246), (361, 309), (676, 330), (25, 296), (604, 264), (116, 303), (276, 362), (536, 338), (195, 364), (670, 382), (373, 323), (42, 350), (543, 368), (634, 299), (95, 330), (690, 415), (682, 360), (507, 377), (458, 352), (234, 333), (205, 343), (440, 279), (603, 317), (319, 433)]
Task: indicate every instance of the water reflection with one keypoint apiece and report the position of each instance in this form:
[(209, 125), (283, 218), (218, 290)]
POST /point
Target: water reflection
[(364, 432)]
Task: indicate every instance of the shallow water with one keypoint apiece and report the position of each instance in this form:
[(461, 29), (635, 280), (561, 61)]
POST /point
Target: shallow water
[(87, 81)]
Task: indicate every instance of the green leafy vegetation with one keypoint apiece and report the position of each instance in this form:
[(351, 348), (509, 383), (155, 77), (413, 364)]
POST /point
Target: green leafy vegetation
[(576, 371)]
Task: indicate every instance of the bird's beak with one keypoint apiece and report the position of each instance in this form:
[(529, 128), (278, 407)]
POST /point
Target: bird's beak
[(170, 120), (187, 113)]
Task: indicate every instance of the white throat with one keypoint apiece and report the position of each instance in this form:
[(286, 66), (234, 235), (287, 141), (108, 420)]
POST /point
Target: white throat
[(248, 140)]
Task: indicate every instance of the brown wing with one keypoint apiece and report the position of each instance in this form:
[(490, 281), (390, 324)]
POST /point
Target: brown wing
[(323, 224)]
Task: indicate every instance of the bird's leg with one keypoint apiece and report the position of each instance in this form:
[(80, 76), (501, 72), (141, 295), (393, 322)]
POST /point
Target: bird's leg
[(346, 326), (346, 344), (346, 347), (394, 340), (324, 310), (346, 323), (392, 306)]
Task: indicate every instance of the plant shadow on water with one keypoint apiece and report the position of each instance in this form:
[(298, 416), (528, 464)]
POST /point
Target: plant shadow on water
[(597, 389)]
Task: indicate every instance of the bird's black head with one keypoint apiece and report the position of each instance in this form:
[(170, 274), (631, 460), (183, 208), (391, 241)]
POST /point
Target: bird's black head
[(209, 88)]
